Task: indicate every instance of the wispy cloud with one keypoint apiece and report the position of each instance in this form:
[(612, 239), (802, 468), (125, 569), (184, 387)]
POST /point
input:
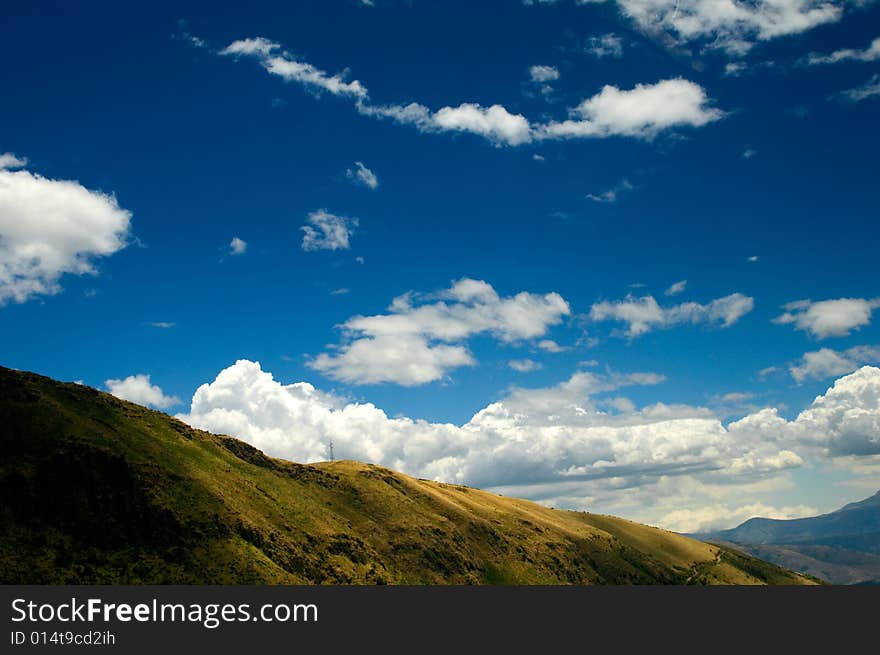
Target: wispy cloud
[(869, 89), (611, 195), (645, 314), (326, 231), (871, 53), (362, 175), (641, 112), (606, 45), (524, 365)]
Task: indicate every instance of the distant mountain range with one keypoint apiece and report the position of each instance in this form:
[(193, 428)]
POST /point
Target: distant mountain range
[(842, 547), (94, 489)]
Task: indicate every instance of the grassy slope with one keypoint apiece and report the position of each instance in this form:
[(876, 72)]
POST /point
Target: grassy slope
[(97, 490)]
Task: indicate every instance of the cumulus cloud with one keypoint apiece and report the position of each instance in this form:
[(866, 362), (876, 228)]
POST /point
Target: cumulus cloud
[(871, 53), (676, 288), (138, 389), (557, 444), (828, 318), (237, 246), (826, 363), (52, 227), (846, 419), (641, 112), (606, 45), (362, 175), (543, 74), (645, 314), (422, 337), (326, 231), (611, 195)]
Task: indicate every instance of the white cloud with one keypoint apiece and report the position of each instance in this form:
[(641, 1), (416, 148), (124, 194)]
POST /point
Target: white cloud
[(52, 227), (258, 46), (538, 157), (607, 45), (284, 65), (611, 195), (339, 292), (326, 231), (641, 112), (846, 419), (676, 288), (727, 24), (543, 74), (869, 89), (752, 258), (644, 314), (871, 53), (828, 318), (524, 365), (826, 363), (551, 346), (557, 446), (138, 389), (422, 337), (734, 68), (9, 161), (736, 397), (237, 246), (730, 25), (764, 372), (363, 175), (163, 325), (494, 123), (718, 517), (748, 153)]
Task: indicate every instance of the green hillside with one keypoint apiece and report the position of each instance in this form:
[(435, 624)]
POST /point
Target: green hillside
[(98, 490)]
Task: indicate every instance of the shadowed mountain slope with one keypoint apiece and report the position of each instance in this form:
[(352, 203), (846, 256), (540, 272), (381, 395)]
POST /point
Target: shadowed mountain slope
[(842, 547)]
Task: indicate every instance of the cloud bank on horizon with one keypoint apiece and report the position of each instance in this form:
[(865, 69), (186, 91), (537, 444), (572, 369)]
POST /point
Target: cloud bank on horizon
[(571, 444)]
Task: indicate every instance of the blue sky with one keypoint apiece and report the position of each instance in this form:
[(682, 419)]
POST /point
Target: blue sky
[(628, 150)]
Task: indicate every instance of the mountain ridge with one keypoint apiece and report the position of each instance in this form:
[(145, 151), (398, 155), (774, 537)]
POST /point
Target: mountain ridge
[(841, 547), (94, 489)]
